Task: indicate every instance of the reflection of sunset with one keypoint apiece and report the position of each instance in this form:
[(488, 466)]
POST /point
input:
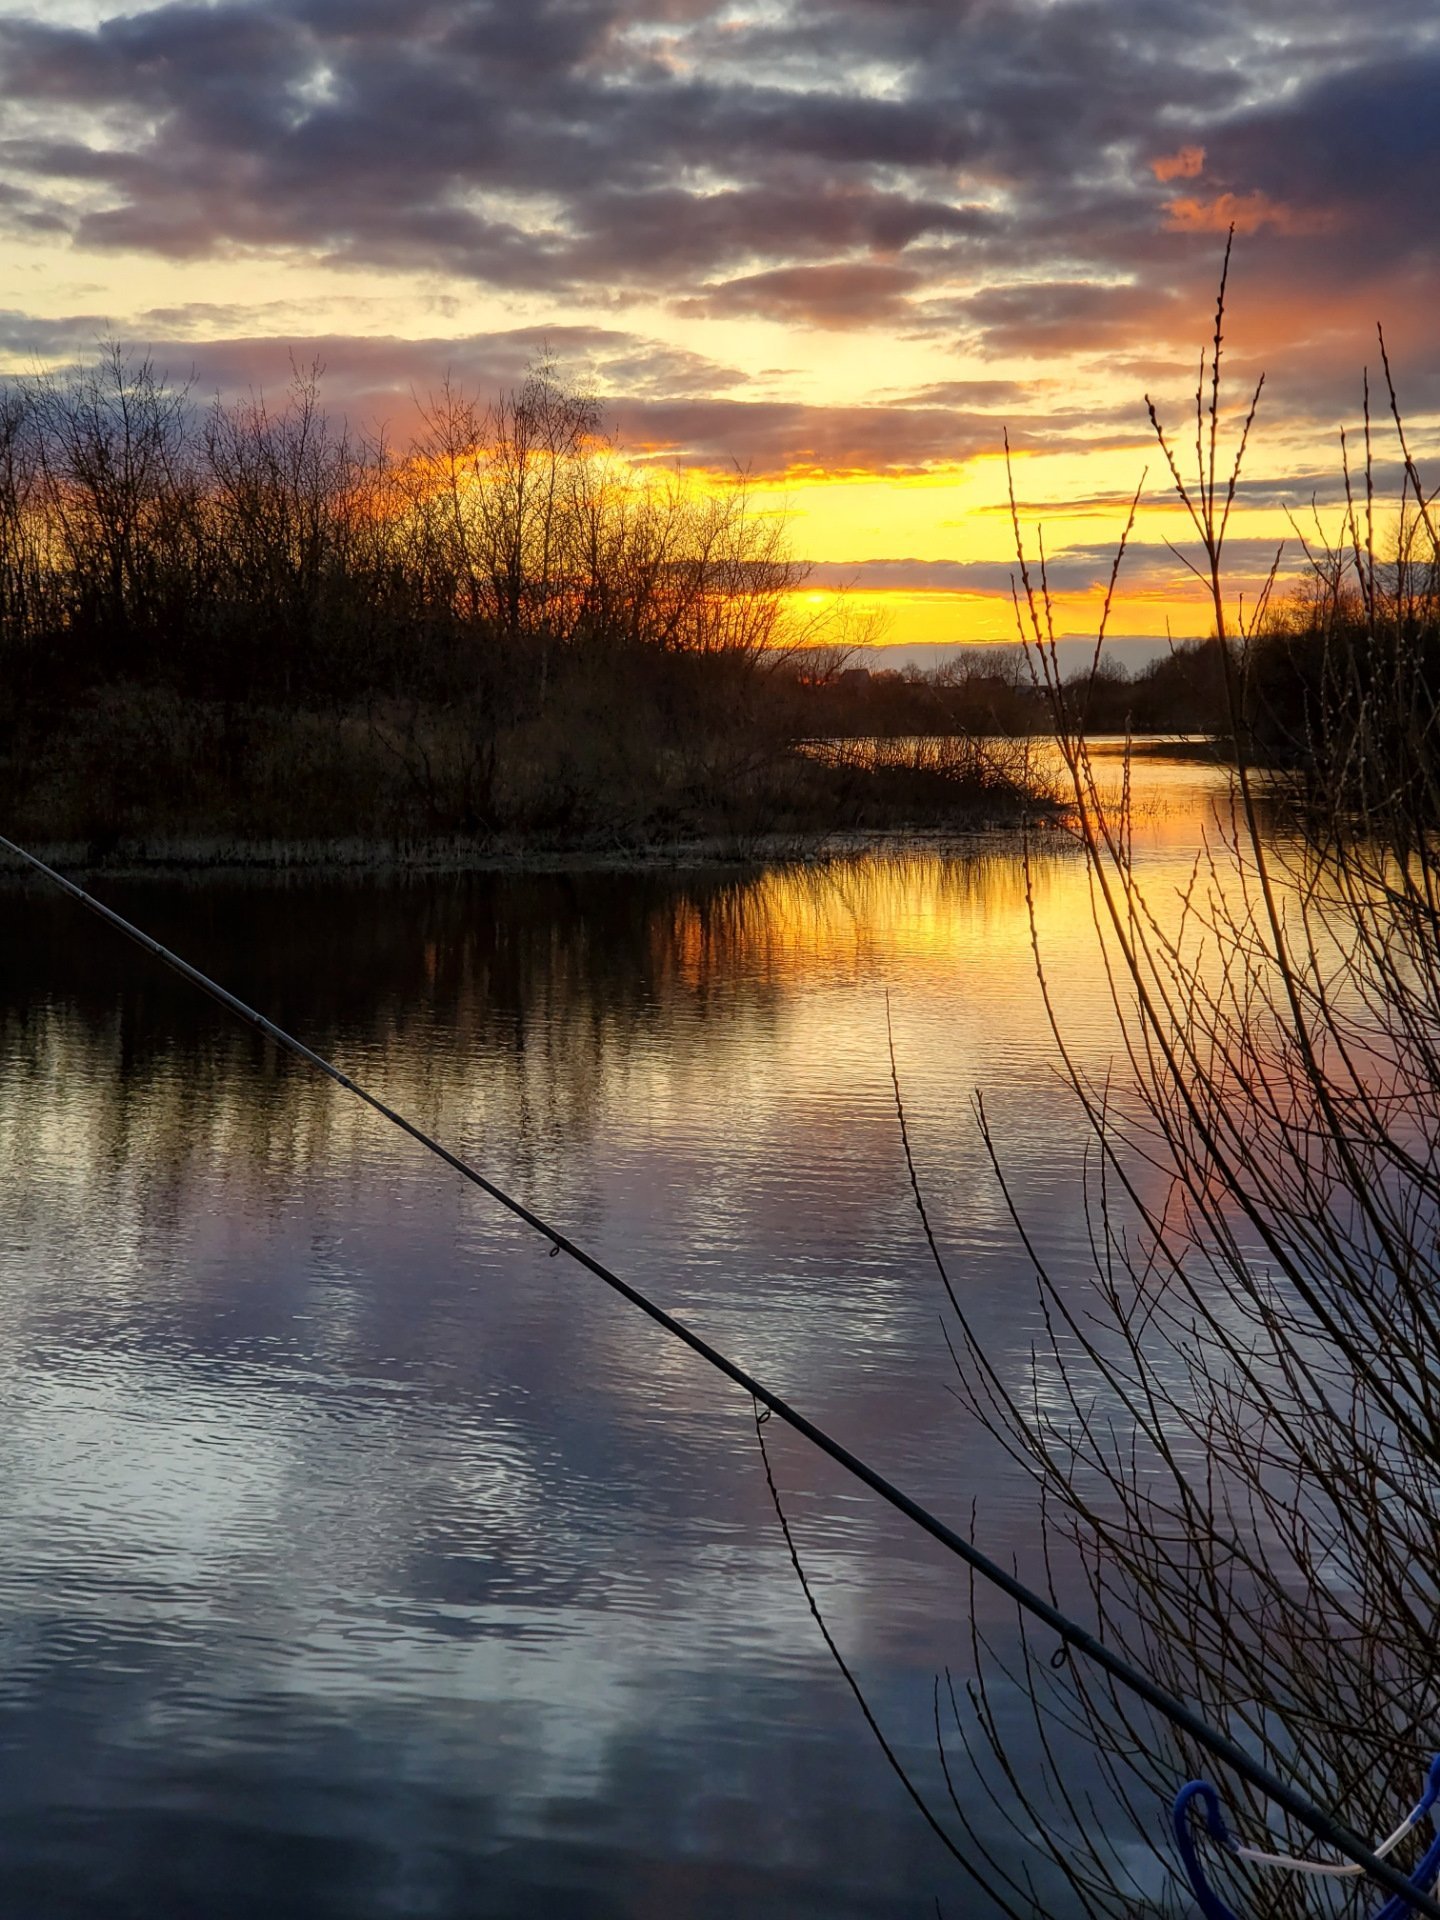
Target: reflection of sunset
[(524, 1040), (298, 1419)]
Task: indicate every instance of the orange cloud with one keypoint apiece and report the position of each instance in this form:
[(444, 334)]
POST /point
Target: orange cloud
[(1184, 165), (1246, 212)]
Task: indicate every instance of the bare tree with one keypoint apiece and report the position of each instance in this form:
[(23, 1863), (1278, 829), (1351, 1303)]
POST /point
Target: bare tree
[(1234, 1430), (116, 488)]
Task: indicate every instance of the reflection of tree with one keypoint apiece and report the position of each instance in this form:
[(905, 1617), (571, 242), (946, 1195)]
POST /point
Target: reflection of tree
[(504, 1003)]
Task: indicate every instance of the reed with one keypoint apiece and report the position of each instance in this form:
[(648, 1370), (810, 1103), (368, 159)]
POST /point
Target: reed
[(1234, 1431)]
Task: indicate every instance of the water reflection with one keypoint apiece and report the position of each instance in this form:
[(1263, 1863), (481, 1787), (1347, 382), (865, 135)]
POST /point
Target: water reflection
[(359, 1559)]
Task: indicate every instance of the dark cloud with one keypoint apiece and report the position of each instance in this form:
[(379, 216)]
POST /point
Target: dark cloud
[(26, 339), (786, 437), (1046, 178), (661, 401), (371, 379), (676, 406), (1053, 317), (829, 161), (847, 293), (1083, 569), (1358, 151), (915, 576)]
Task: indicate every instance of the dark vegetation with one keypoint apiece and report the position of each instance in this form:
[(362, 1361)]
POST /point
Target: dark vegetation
[(238, 621), (1342, 684), (1297, 680), (992, 690)]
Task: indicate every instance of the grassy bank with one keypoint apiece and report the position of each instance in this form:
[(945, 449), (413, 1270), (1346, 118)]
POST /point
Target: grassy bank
[(135, 775)]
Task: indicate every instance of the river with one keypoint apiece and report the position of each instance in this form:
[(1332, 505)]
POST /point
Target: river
[(359, 1559)]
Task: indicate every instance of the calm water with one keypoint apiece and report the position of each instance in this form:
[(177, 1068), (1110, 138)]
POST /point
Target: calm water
[(358, 1559)]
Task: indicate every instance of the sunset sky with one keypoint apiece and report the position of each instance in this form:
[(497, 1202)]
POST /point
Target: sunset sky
[(839, 244)]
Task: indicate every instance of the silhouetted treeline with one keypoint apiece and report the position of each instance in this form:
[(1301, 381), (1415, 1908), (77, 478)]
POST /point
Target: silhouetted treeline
[(238, 551), (1333, 684), (980, 691), (1183, 691), (991, 690), (250, 620), (1336, 683)]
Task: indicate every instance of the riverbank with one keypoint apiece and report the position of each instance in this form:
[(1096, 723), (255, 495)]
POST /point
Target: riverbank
[(336, 858), (141, 780)]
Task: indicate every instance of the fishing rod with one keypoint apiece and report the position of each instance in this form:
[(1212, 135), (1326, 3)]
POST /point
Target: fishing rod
[(1075, 1637)]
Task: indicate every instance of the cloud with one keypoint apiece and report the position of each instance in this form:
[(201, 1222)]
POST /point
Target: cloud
[(664, 402), (1187, 164), (1045, 180), (1045, 317), (778, 438), (577, 145), (1150, 569), (1246, 213), (845, 294), (378, 378)]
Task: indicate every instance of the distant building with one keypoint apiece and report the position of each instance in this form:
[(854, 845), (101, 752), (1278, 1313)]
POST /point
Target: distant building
[(856, 678)]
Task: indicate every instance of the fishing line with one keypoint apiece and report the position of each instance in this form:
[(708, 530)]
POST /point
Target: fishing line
[(1070, 1632)]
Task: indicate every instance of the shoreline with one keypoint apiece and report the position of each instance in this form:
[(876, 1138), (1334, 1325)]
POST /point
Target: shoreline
[(196, 856)]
